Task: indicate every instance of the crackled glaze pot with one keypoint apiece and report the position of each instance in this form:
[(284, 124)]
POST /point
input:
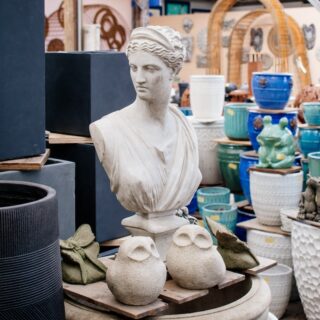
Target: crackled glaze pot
[(306, 262), (210, 195), (311, 112), (314, 164), (255, 122), (271, 90), (309, 140)]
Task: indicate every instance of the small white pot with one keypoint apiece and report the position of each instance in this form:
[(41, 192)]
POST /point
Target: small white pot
[(207, 94), (279, 280), (306, 262), (270, 245), (208, 156), (286, 223), (270, 192)]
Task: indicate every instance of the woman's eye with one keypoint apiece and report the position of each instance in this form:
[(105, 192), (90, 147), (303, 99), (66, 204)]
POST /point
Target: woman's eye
[(151, 68), (133, 68)]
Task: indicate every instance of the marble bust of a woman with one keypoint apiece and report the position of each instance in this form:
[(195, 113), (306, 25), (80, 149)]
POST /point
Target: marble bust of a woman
[(148, 148)]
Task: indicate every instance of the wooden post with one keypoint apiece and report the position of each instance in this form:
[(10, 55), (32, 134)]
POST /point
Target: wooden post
[(70, 25)]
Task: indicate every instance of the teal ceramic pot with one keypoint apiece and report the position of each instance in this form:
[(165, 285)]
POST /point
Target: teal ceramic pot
[(309, 140), (305, 169), (236, 120), (311, 111), (314, 164), (209, 195), (223, 213), (229, 161), (271, 90)]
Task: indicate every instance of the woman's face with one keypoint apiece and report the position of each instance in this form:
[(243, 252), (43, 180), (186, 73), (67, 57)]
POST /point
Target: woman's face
[(151, 77)]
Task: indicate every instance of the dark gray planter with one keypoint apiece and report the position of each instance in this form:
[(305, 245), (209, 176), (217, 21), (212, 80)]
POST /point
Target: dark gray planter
[(22, 79), (30, 264), (81, 87), (60, 175), (95, 203)]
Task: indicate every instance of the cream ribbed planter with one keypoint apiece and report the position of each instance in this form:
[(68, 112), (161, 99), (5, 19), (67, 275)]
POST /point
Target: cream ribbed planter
[(279, 279), (306, 262), (208, 157), (270, 245), (270, 192)]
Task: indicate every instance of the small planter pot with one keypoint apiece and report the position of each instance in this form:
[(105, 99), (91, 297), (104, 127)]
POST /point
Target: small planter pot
[(279, 279), (30, 263), (306, 262), (211, 195), (309, 140), (243, 215), (229, 161), (311, 112), (255, 122), (270, 245), (270, 192), (314, 164), (208, 155), (271, 90), (286, 223), (207, 96), (236, 120)]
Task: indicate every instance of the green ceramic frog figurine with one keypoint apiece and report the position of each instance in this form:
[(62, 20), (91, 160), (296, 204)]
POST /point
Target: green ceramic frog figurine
[(277, 147)]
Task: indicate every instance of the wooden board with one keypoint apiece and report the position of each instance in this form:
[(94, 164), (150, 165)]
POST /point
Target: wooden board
[(242, 203), (270, 111), (114, 242), (26, 164), (265, 264), (99, 294), (254, 224), (309, 222), (293, 169), (230, 279), (225, 140), (306, 126), (59, 138)]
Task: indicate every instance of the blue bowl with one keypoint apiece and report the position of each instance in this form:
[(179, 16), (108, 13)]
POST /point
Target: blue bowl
[(309, 140), (311, 112), (243, 216), (271, 90), (255, 123)]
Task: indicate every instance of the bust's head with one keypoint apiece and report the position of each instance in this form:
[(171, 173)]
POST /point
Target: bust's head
[(160, 41)]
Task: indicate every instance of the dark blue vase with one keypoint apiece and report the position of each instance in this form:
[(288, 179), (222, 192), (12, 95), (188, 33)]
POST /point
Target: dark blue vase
[(309, 140), (255, 123), (271, 90)]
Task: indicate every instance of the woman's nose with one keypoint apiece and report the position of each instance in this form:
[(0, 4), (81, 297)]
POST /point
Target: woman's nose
[(140, 76)]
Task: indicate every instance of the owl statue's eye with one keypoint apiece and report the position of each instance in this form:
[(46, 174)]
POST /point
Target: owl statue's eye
[(203, 241), (139, 253), (182, 240)]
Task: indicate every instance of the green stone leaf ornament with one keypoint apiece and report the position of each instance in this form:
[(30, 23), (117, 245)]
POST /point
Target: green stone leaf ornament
[(277, 146)]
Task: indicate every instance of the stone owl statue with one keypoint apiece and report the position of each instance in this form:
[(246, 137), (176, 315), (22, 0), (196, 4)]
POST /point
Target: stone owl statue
[(138, 274), (192, 261)]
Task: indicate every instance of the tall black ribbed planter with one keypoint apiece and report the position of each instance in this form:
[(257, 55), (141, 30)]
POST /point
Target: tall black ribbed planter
[(30, 269)]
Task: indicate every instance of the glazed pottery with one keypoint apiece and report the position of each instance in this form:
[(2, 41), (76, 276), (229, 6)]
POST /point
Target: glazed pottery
[(314, 164), (270, 245), (306, 262), (255, 122), (242, 216), (207, 147), (193, 205), (305, 169), (271, 90), (311, 112), (30, 262), (309, 140), (279, 279), (229, 160), (270, 192), (186, 111), (207, 96), (210, 195), (286, 223), (236, 120), (223, 213)]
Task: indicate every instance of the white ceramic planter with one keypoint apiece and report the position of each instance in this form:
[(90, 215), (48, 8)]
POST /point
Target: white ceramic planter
[(279, 280), (270, 192), (270, 245), (306, 262), (208, 157), (207, 94), (286, 223)]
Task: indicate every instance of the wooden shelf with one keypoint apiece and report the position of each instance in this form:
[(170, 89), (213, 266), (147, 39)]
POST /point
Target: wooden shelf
[(225, 140), (264, 265), (293, 169), (59, 138), (273, 111), (26, 164)]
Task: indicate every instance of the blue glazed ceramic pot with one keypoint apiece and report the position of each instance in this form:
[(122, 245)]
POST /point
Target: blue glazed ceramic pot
[(314, 164), (311, 112), (255, 123), (210, 195), (236, 120), (309, 140), (193, 205), (186, 111), (271, 90), (305, 169)]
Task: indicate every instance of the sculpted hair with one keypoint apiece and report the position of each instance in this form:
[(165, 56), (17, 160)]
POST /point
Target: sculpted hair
[(162, 42)]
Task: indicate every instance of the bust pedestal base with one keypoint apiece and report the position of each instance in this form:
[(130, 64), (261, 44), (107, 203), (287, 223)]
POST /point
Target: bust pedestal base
[(159, 226)]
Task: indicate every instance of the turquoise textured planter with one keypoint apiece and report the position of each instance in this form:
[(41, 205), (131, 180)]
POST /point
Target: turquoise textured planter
[(210, 195), (311, 111), (314, 164), (309, 140), (236, 120)]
